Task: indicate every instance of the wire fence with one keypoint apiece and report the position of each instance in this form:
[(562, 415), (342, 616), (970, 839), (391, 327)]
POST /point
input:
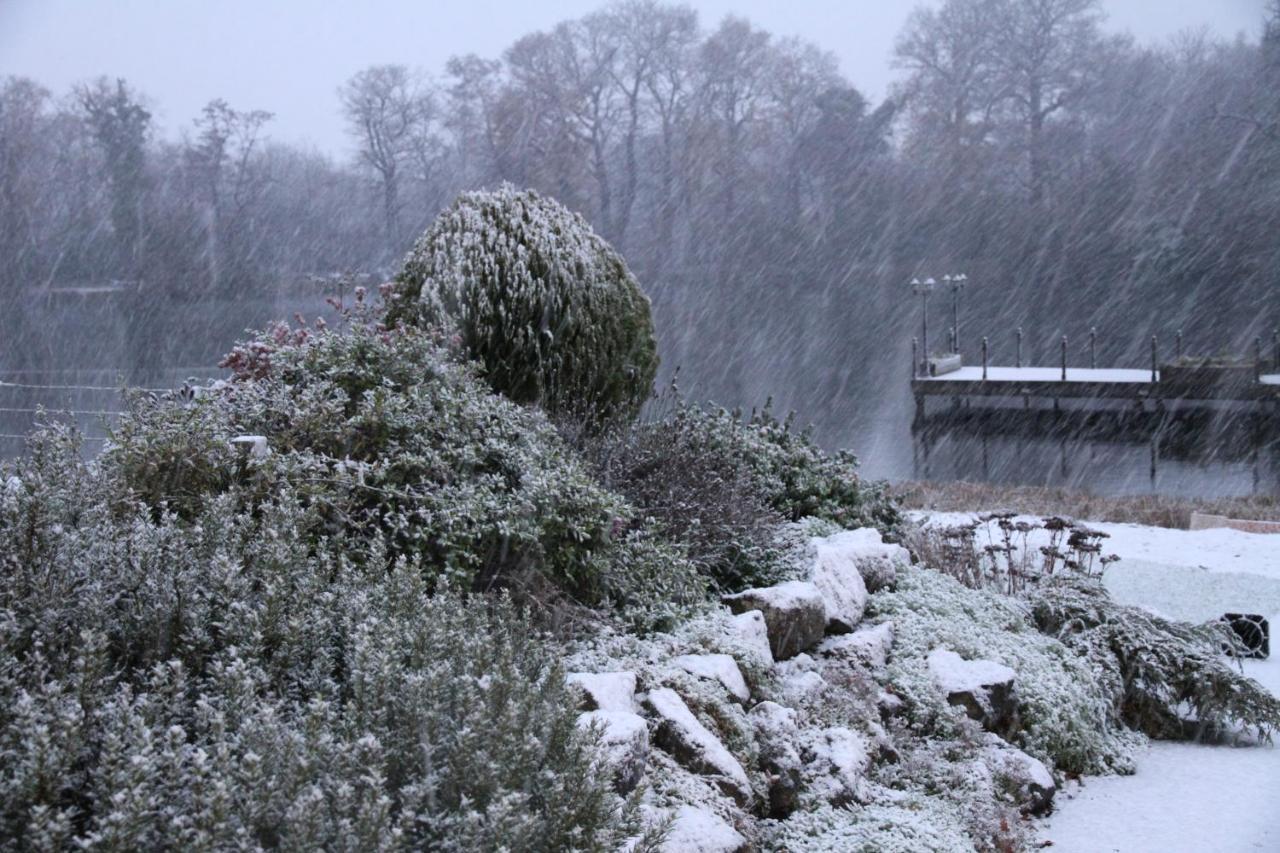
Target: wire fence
[(90, 398)]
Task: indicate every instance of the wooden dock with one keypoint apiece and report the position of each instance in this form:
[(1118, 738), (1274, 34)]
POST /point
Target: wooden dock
[(1057, 383)]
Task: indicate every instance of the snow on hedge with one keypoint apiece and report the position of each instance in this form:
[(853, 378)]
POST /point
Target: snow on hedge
[(538, 298)]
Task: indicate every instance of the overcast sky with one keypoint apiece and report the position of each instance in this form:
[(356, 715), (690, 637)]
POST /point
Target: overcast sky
[(289, 56)]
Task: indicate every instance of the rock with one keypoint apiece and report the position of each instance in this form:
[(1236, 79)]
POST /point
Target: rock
[(800, 685), (1031, 781), (795, 615), (983, 688), (749, 631), (889, 704), (605, 691), (722, 668), (777, 734), (835, 573), (696, 830), (625, 740), (877, 561), (868, 646), (694, 746), (838, 759)]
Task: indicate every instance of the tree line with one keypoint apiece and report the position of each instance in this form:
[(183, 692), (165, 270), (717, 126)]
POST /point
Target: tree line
[(1079, 178)]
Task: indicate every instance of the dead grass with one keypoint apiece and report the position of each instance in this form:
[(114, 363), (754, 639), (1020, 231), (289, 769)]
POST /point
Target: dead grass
[(1155, 510)]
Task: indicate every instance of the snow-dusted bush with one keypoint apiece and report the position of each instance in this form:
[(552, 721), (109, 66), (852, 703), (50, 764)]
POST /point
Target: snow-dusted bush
[(649, 582), (711, 503), (725, 488), (382, 433), (1066, 709), (229, 681), (544, 304), (1167, 679), (797, 477)]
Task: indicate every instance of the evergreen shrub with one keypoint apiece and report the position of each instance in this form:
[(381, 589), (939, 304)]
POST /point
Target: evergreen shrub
[(548, 308)]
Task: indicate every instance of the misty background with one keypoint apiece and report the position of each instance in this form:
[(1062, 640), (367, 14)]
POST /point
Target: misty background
[(171, 174)]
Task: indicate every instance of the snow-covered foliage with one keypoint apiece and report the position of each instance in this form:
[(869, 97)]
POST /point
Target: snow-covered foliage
[(1166, 678), (743, 496), (914, 825), (797, 477), (229, 681), (545, 305), (382, 433), (1066, 712)]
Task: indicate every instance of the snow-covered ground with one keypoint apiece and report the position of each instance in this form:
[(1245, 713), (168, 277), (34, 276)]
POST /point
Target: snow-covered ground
[(1184, 797)]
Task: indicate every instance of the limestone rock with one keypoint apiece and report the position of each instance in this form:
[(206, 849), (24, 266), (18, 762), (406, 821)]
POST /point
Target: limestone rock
[(777, 735), (1027, 776), (867, 646), (837, 762), (721, 668), (835, 573), (606, 691), (696, 830), (694, 746), (877, 561), (983, 688), (625, 741), (750, 632), (795, 615)]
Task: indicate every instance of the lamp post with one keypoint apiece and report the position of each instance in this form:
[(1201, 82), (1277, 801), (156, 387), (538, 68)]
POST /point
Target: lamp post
[(924, 288), (956, 283)]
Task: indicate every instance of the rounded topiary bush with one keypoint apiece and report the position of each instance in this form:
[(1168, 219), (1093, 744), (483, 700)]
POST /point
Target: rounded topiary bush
[(545, 305)]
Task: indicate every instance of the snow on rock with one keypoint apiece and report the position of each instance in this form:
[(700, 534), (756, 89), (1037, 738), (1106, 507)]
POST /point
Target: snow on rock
[(983, 688), (606, 691), (750, 631), (721, 668), (837, 762), (625, 740), (889, 704), (694, 746), (697, 830), (801, 686), (795, 615), (868, 646), (1027, 776), (835, 573), (777, 736), (877, 561)]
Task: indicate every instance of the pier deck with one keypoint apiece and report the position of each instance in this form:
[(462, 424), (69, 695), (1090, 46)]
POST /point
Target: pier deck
[(1085, 383)]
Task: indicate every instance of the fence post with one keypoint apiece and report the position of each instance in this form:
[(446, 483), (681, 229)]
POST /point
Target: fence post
[(915, 357), (1064, 358), (984, 358), (1093, 347), (1018, 361), (1257, 357), (1177, 345), (1275, 349), (1154, 357)]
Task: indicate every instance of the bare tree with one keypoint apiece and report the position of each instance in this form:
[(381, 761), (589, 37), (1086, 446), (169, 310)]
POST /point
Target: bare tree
[(735, 61), (228, 173), (1047, 52), (385, 106), (954, 89)]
